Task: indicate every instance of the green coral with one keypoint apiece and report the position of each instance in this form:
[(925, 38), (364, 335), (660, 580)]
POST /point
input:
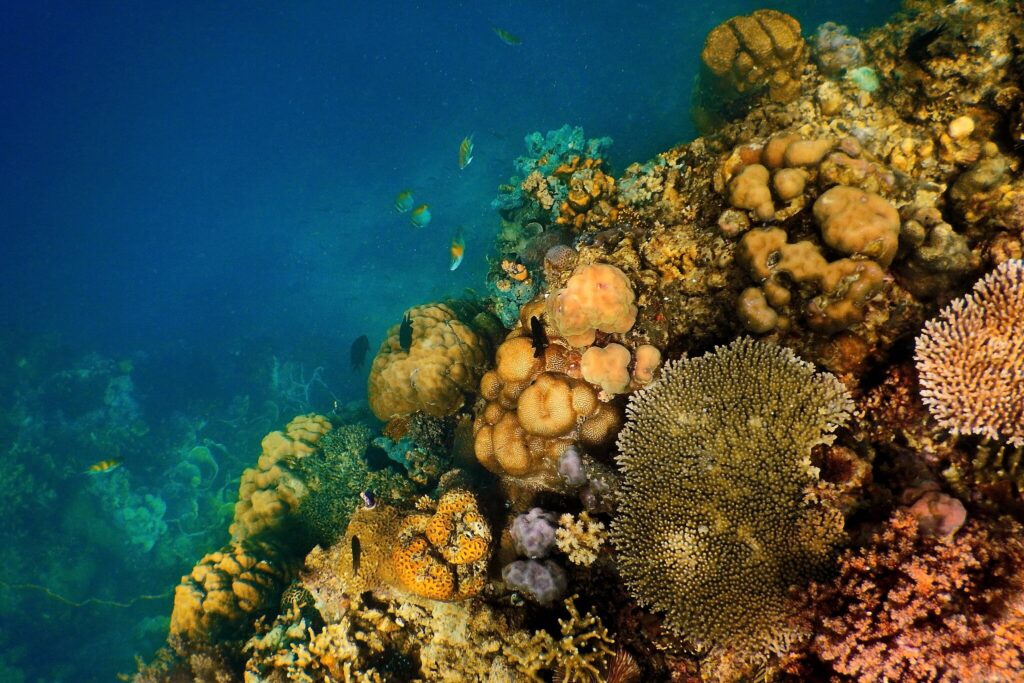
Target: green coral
[(335, 476), (715, 522)]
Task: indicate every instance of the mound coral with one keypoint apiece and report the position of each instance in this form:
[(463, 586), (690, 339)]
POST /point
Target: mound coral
[(596, 297), (912, 607), (227, 591), (450, 348), (271, 492), (534, 408), (971, 359), (764, 49), (714, 522), (607, 367)]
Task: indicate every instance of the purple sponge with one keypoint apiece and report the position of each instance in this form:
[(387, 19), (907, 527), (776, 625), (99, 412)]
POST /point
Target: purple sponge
[(534, 533), (542, 581), (570, 467)]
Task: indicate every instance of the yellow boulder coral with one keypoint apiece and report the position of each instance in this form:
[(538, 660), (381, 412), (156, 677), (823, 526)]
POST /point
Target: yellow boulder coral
[(444, 361), (596, 297), (857, 222), (226, 591), (762, 49), (270, 492), (607, 367)]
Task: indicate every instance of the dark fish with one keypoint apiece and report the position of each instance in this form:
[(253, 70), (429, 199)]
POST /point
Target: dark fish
[(539, 337), (917, 48), (358, 351), (369, 501), (356, 552), (405, 333)]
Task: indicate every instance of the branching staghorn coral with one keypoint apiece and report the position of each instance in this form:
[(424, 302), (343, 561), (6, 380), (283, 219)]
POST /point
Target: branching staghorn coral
[(715, 522), (971, 359)]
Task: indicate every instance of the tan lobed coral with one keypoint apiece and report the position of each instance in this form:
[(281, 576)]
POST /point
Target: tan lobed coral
[(533, 408), (227, 591), (764, 49), (607, 367), (270, 493), (450, 348), (971, 359), (714, 523), (596, 297)]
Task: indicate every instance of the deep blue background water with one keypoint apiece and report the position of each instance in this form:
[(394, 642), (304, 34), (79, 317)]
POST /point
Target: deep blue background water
[(185, 181)]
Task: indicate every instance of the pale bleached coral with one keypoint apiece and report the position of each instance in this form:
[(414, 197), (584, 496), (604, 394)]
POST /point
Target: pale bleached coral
[(580, 538)]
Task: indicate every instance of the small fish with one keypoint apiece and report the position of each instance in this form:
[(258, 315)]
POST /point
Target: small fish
[(506, 37), (420, 216), (357, 550), (405, 333), (369, 500), (403, 202), (465, 152), (921, 40), (103, 466), (539, 337), (457, 249), (357, 354)]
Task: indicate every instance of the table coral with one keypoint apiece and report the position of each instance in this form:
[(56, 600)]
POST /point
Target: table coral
[(716, 462), (911, 607), (450, 348), (596, 297), (971, 359), (270, 493)]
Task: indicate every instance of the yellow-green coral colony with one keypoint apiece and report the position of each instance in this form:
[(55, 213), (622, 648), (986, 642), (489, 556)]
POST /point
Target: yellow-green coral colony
[(714, 523)]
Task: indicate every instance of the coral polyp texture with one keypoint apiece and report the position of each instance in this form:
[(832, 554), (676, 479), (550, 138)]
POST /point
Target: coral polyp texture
[(449, 348), (715, 524), (971, 359)]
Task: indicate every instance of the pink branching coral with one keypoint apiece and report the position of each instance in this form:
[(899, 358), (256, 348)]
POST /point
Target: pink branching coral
[(971, 359), (911, 607)]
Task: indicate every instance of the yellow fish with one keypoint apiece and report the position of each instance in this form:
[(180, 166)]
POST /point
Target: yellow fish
[(465, 152), (103, 466), (420, 216), (457, 249), (507, 37), (403, 202)]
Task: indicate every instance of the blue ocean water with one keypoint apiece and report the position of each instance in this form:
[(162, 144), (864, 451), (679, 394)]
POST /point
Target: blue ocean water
[(197, 212)]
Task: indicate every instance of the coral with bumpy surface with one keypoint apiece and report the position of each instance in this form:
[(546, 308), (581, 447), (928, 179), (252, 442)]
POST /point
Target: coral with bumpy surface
[(271, 492), (227, 591), (444, 555), (714, 522), (971, 359), (534, 409), (911, 607), (450, 348), (597, 297), (764, 49)]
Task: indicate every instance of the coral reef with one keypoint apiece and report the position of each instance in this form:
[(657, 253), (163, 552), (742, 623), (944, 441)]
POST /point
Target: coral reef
[(971, 359), (717, 469), (911, 607), (597, 297), (580, 538), (450, 347)]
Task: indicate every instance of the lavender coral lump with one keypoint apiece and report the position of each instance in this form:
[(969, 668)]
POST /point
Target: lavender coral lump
[(544, 581), (534, 533)]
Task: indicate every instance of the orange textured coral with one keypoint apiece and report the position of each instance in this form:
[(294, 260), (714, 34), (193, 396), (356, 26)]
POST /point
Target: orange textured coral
[(443, 363), (270, 492), (444, 556), (607, 367), (596, 297), (971, 359), (535, 408)]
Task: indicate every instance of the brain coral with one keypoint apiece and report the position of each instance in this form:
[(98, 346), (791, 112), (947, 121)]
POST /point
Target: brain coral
[(451, 346), (226, 591), (971, 359), (762, 49), (714, 522), (270, 492)]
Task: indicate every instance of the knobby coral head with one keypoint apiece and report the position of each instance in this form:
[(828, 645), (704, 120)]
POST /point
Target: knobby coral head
[(971, 359)]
